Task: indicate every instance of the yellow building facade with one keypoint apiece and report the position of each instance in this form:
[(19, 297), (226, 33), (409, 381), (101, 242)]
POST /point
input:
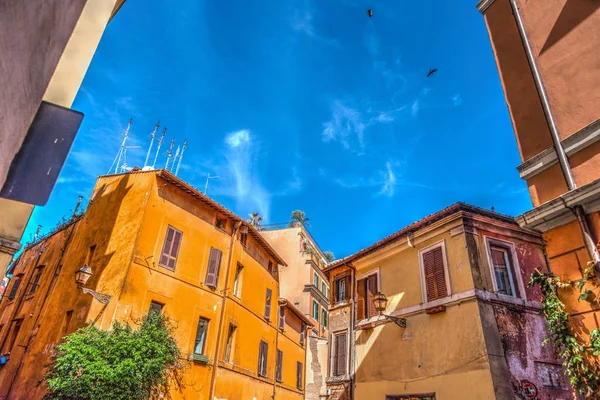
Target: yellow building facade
[(458, 320), (154, 242)]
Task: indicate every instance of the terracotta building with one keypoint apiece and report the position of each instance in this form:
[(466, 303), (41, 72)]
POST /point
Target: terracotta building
[(154, 242), (548, 60), (441, 310), (37, 88), (303, 282)]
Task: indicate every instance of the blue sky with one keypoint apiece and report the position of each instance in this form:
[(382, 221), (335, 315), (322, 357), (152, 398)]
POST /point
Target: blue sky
[(304, 105)]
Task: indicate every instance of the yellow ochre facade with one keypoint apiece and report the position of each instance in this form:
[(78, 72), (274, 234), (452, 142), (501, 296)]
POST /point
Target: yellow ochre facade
[(153, 241)]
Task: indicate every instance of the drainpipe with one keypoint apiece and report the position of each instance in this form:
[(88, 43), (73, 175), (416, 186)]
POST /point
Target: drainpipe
[(222, 316), (563, 160)]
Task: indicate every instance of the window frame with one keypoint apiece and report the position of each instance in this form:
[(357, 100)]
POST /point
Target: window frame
[(334, 353), (347, 295), (281, 312), (324, 317), (37, 276), (279, 366), (442, 244), (204, 340), (162, 248), (299, 375), (262, 366), (315, 305), (513, 269), (14, 291), (230, 343), (150, 308), (316, 279), (238, 281), (365, 276)]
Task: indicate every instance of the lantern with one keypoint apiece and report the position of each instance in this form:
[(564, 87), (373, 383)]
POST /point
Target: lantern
[(82, 275), (380, 302)]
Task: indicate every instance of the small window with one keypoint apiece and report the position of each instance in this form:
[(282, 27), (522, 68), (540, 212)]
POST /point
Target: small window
[(221, 223), (155, 306), (502, 265), (15, 287), (263, 351), (316, 279), (281, 318), (201, 332), (243, 238), (268, 304), (299, 373), (36, 280), (324, 318), (315, 312), (14, 334), (237, 283), (302, 333), (323, 289), (366, 289), (90, 255), (342, 289), (270, 268), (434, 273), (230, 342), (339, 357), (170, 250), (213, 269), (68, 317), (279, 366)]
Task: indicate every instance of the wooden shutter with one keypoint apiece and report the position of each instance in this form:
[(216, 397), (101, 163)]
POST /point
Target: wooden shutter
[(299, 375), (174, 249), (302, 333), (268, 304), (348, 288), (214, 265), (340, 354), (371, 292), (262, 358), (279, 367), (166, 250), (435, 276), (15, 288), (281, 317), (360, 299)]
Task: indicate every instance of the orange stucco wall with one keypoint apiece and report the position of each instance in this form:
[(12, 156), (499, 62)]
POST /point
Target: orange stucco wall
[(127, 220)]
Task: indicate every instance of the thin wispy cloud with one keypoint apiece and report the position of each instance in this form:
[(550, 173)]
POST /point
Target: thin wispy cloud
[(389, 181), (302, 22), (346, 126), (416, 106), (383, 182), (457, 100)]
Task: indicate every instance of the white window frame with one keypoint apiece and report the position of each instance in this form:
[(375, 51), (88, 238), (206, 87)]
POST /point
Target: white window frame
[(442, 244), (515, 269)]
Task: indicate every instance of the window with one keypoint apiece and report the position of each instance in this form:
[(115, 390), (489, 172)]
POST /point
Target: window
[(155, 306), (221, 223), (201, 336), (90, 255), (68, 317), (316, 279), (428, 396), (342, 288), (434, 273), (324, 318), (270, 268), (15, 287), (279, 366), (366, 289), (339, 356), (36, 279), (214, 266), (299, 370), (323, 289), (170, 250), (14, 334), (243, 238), (315, 313), (237, 283), (281, 317), (263, 351), (230, 342), (501, 264), (268, 304), (302, 333)]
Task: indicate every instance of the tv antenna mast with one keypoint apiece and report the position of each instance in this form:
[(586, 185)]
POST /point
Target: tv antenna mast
[(180, 157), (160, 142), (208, 178), (120, 161), (152, 136), (170, 153)]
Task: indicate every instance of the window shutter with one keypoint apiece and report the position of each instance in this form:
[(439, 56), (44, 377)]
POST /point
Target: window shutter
[(340, 360), (435, 276), (278, 371), (268, 304), (299, 375), (360, 299), (498, 257), (281, 317), (174, 249), (371, 292), (15, 288), (302, 333), (348, 288), (214, 264), (166, 250)]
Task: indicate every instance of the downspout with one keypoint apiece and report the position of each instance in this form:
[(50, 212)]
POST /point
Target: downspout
[(563, 160), (222, 316)]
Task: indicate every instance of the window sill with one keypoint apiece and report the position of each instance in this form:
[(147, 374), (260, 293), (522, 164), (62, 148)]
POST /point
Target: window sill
[(340, 304), (200, 359)]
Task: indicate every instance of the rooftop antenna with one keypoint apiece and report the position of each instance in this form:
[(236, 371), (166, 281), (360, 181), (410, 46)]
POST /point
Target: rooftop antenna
[(169, 153), (152, 136), (160, 142), (207, 179), (180, 157), (176, 157), (77, 205), (37, 233), (121, 154)]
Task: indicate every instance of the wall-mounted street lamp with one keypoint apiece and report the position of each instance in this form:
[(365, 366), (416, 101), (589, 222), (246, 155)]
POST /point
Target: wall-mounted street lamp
[(380, 304), (81, 277)]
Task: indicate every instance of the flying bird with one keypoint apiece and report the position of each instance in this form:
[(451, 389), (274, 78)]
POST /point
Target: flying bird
[(370, 13), (431, 72)]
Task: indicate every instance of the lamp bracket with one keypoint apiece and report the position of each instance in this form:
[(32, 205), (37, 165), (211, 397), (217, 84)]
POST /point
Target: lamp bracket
[(101, 297)]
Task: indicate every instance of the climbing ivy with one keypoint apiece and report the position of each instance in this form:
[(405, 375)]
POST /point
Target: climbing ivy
[(582, 370)]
